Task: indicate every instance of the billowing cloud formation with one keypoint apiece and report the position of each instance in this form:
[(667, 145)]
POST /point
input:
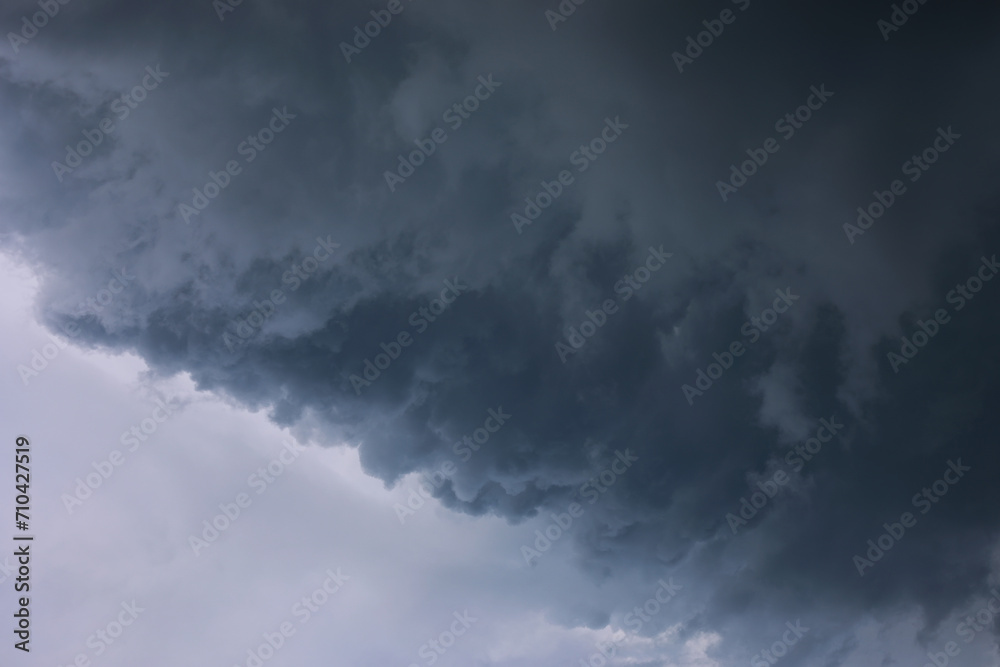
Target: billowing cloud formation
[(516, 260)]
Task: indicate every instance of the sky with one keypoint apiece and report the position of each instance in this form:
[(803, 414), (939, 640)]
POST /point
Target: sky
[(501, 334)]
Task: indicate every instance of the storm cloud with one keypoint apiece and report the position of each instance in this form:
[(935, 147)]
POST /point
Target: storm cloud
[(522, 251)]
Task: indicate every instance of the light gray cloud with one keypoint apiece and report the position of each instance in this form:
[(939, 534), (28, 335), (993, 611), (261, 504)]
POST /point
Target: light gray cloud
[(323, 176)]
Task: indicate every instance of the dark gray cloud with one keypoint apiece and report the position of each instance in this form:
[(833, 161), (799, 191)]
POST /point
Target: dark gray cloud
[(496, 344)]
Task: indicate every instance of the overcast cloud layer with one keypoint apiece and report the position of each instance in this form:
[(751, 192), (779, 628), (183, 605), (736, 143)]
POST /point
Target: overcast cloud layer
[(657, 341)]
